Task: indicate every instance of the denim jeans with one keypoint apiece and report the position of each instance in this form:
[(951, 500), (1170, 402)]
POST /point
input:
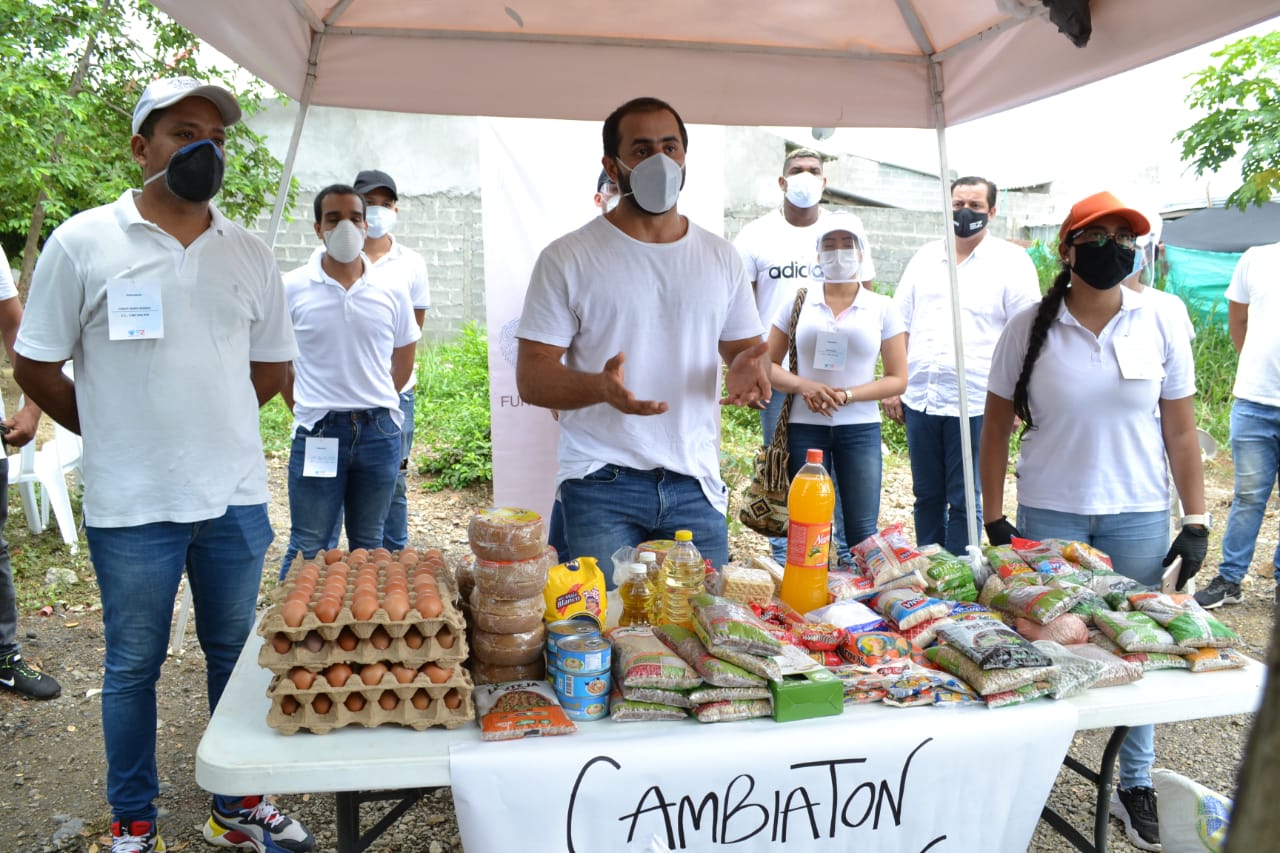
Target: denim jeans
[(8, 596), (1137, 543), (395, 529), (138, 571), (555, 531), (778, 544), (1255, 450), (851, 454), (368, 463), (937, 478), (615, 506)]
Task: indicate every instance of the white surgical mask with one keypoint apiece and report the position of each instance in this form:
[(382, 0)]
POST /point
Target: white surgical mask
[(804, 189), (839, 265), (380, 220), (344, 241), (656, 182)]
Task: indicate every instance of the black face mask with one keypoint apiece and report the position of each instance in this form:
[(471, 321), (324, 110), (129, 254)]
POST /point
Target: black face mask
[(194, 172), (1103, 267), (968, 222)]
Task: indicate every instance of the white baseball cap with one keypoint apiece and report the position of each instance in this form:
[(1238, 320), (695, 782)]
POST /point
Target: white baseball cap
[(167, 91), (844, 221)]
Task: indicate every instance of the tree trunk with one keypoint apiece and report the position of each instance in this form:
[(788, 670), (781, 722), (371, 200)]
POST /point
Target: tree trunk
[(37, 207)]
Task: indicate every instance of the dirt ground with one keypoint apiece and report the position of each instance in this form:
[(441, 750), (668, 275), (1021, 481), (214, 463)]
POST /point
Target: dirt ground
[(52, 769)]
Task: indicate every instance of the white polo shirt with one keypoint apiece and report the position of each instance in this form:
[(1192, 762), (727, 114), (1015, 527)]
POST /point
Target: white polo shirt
[(170, 424), (996, 281), (1097, 447), (1256, 283), (404, 264), (597, 291), (854, 336), (345, 341)]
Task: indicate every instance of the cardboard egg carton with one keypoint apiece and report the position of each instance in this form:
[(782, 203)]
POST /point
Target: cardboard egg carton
[(312, 648), (305, 717)]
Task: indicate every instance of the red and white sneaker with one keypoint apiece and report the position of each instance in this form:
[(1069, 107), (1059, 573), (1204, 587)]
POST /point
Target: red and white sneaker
[(253, 823)]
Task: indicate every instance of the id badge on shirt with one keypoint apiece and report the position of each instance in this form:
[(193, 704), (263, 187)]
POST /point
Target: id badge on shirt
[(830, 351), (134, 310), (320, 457), (1138, 359)]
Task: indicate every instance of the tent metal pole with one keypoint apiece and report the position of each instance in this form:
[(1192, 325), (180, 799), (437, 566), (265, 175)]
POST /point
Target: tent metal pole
[(944, 182), (286, 175)]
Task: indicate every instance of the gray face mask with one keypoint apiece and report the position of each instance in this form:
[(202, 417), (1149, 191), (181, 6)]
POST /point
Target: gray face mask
[(654, 183)]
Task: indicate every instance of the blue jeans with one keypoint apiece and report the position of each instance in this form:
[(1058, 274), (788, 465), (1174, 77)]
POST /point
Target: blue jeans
[(778, 544), (851, 454), (8, 596), (368, 462), (937, 478), (1255, 450), (555, 532), (1137, 543), (395, 529), (615, 506), (138, 571)]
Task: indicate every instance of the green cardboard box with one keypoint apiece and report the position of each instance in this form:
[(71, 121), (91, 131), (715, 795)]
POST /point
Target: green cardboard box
[(802, 695)]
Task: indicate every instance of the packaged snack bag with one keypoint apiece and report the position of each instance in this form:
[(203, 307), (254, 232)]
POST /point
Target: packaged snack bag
[(575, 588)]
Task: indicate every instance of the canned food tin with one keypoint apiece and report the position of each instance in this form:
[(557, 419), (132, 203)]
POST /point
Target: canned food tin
[(585, 709), (584, 654), (579, 686), (565, 629)]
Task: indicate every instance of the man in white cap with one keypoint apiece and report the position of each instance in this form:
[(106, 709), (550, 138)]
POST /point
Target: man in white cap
[(177, 323)]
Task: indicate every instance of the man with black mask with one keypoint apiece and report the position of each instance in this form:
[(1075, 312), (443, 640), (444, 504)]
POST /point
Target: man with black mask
[(997, 280), (178, 324)]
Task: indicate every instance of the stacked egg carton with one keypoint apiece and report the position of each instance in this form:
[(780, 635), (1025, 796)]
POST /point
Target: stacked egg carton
[(509, 573), (367, 638)]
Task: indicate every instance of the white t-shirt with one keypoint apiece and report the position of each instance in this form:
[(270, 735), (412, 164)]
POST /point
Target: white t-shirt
[(8, 289), (779, 258), (996, 281), (345, 341), (854, 338), (1256, 283), (170, 424), (406, 265), (597, 291), (1097, 447)]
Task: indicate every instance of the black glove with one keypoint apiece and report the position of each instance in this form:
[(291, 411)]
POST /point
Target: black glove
[(1191, 545), (1000, 531)]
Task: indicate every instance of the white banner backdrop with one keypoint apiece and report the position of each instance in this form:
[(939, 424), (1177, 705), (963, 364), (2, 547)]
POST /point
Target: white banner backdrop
[(538, 178), (874, 778)]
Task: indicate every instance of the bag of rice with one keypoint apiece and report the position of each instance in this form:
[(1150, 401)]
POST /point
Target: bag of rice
[(1163, 607), (1068, 629), (729, 710), (906, 609), (641, 660), (1153, 661), (518, 709), (713, 670), (1005, 561), (987, 681), (765, 667), (1209, 659), (1040, 604), (1075, 674), (724, 624), (703, 695), (991, 645), (1116, 670), (624, 710), (853, 616), (1201, 631), (925, 633), (1136, 632), (656, 695), (949, 577), (888, 554)]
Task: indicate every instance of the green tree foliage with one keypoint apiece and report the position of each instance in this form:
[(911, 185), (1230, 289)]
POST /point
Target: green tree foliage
[(1241, 97), (70, 74)]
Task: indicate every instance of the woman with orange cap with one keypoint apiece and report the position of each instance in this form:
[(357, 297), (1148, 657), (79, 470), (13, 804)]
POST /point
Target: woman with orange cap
[(1104, 385)]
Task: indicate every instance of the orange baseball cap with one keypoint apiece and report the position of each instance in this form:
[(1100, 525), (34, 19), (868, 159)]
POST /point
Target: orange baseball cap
[(1089, 210)]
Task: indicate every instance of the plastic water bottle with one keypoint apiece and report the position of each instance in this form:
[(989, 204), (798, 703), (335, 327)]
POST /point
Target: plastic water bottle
[(684, 575), (637, 597), (653, 571), (811, 504)]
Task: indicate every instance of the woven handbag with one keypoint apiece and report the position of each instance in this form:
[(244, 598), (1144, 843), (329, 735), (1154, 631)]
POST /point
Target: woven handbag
[(765, 505)]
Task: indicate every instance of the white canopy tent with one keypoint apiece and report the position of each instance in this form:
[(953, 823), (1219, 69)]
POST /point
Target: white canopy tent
[(812, 63)]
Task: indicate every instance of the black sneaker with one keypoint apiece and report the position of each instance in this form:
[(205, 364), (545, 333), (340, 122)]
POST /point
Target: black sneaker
[(18, 676), (1136, 809), (1220, 591), (139, 836), (253, 823)]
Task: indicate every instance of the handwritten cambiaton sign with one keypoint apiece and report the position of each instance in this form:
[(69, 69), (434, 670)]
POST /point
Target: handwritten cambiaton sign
[(875, 778)]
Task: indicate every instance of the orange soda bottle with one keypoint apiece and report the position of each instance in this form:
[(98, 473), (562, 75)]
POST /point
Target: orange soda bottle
[(811, 503)]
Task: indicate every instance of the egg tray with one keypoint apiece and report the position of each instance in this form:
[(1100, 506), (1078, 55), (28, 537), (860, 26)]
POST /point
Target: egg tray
[(372, 714), (365, 651), (273, 623)]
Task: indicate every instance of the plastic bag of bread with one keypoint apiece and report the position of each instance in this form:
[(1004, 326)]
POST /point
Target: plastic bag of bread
[(517, 709), (502, 534)]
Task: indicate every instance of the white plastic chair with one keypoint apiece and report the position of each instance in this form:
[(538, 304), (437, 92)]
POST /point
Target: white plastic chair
[(45, 467)]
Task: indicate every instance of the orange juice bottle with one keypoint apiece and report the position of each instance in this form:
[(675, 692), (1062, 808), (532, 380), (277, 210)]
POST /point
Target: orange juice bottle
[(811, 503)]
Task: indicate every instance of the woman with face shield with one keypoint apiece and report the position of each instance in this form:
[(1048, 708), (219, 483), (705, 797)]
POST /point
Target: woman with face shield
[(842, 330)]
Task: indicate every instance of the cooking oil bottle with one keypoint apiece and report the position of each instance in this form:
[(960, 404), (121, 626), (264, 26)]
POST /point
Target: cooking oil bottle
[(684, 576), (811, 504), (637, 597)]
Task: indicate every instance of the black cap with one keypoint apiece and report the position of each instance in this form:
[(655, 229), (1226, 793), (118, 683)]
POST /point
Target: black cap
[(372, 179), (604, 179)]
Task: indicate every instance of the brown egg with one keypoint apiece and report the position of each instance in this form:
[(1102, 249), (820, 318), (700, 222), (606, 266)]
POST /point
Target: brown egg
[(282, 644), (292, 612), (309, 571), (347, 640), (327, 608), (413, 638), (338, 569), (355, 702), (380, 554), (337, 674), (409, 558), (371, 673), (403, 674), (321, 704), (453, 699), (445, 638), (288, 705), (388, 700), (380, 639), (429, 606), (302, 591), (333, 555), (302, 678), (396, 605), (363, 606), (420, 700), (313, 642), (360, 554), (437, 673), (395, 585)]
